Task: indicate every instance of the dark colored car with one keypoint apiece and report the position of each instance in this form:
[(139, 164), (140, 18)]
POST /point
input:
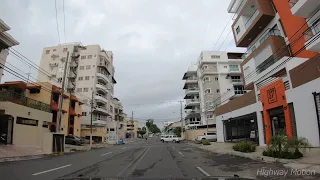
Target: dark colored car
[(74, 140)]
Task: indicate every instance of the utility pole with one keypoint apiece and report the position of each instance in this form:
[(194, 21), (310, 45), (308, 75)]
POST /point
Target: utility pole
[(29, 73), (182, 136), (61, 94), (132, 123), (91, 118)]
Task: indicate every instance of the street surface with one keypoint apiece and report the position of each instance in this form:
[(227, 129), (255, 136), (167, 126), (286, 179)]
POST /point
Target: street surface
[(141, 159)]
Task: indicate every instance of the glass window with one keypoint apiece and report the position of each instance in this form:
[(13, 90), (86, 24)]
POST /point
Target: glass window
[(87, 77), (216, 78), (89, 56), (81, 67), (233, 67), (26, 121), (215, 57), (214, 68), (207, 91), (238, 30), (54, 50), (206, 79), (204, 67), (218, 90), (85, 89), (84, 113), (47, 51), (83, 57), (79, 89), (87, 66), (80, 78), (65, 49)]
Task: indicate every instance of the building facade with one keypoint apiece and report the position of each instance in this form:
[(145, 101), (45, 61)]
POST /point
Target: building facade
[(279, 69), (215, 74), (6, 41), (90, 72)]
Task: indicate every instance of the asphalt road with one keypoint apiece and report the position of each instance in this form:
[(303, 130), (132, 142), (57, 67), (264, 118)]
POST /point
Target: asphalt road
[(142, 159)]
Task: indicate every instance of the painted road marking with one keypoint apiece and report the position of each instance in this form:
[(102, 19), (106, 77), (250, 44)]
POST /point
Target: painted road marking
[(181, 154), (203, 171), (35, 174), (105, 153), (123, 147), (173, 147)]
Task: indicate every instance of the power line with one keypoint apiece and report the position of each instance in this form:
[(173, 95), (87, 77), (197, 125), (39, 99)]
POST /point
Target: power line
[(55, 5), (64, 23)]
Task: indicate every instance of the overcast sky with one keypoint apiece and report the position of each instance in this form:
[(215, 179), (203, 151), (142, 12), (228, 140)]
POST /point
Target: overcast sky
[(153, 42)]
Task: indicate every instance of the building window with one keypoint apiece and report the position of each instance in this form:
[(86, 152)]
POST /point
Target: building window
[(81, 67), (54, 50), (65, 49), (85, 89), (111, 109), (85, 101), (89, 56), (209, 116), (26, 121), (59, 80), (228, 89), (63, 59), (218, 90), (111, 129), (225, 66), (47, 51), (214, 68), (87, 66), (215, 57), (79, 89), (80, 78), (233, 67), (84, 113), (206, 79), (204, 67), (83, 57), (207, 91), (45, 124), (238, 30), (93, 66), (87, 78), (216, 78)]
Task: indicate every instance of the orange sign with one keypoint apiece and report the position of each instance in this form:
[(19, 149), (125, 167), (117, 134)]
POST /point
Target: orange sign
[(273, 96)]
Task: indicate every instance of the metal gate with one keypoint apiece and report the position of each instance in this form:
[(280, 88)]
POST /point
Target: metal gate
[(317, 104)]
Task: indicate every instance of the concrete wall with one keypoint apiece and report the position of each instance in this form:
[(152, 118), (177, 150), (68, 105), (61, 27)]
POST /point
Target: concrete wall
[(305, 110), (97, 131), (25, 134), (192, 134), (3, 56)]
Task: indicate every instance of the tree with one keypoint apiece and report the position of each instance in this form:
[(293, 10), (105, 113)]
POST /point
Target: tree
[(177, 131), (144, 129), (152, 127)]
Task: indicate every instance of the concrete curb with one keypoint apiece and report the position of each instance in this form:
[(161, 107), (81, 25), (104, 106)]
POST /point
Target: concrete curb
[(22, 158), (286, 162)]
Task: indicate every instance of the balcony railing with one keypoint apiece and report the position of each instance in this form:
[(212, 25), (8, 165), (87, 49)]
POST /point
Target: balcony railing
[(192, 78), (236, 80), (252, 18), (312, 31), (293, 2), (22, 100), (274, 32)]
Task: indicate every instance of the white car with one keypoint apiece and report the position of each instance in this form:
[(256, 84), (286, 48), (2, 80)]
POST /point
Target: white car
[(170, 138), (211, 136)]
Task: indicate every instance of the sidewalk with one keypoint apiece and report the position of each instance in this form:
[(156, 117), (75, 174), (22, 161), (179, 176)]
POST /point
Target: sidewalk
[(15, 153), (310, 161)]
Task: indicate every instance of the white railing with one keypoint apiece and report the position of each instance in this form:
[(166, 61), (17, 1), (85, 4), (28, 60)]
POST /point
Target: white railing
[(236, 80)]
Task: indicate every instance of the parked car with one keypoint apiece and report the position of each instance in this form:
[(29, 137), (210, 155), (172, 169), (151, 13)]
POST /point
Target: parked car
[(170, 138), (74, 140), (211, 136)]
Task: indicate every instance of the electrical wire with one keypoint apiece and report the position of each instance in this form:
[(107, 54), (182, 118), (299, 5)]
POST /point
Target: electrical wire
[(55, 5), (64, 23)]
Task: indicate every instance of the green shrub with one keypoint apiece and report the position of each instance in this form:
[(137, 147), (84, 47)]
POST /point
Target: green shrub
[(283, 147), (244, 147), (205, 142)]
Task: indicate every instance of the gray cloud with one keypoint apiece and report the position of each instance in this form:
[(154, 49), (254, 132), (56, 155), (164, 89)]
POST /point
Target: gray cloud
[(153, 42)]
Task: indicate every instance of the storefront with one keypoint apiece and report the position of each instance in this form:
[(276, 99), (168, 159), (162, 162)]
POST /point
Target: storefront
[(276, 112), (241, 128)]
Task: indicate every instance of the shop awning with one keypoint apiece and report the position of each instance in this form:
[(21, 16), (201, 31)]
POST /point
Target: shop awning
[(20, 84), (74, 98)]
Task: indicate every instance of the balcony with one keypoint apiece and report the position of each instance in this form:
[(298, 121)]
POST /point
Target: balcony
[(311, 36), (71, 75), (102, 77), (24, 101), (252, 19), (53, 64), (102, 87), (99, 122), (271, 45), (236, 81), (304, 8), (229, 95), (190, 103), (191, 92), (101, 98), (191, 80), (102, 110), (208, 72)]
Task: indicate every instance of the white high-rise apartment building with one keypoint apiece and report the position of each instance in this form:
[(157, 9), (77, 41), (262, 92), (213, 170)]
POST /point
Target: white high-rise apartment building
[(90, 72), (216, 77)]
